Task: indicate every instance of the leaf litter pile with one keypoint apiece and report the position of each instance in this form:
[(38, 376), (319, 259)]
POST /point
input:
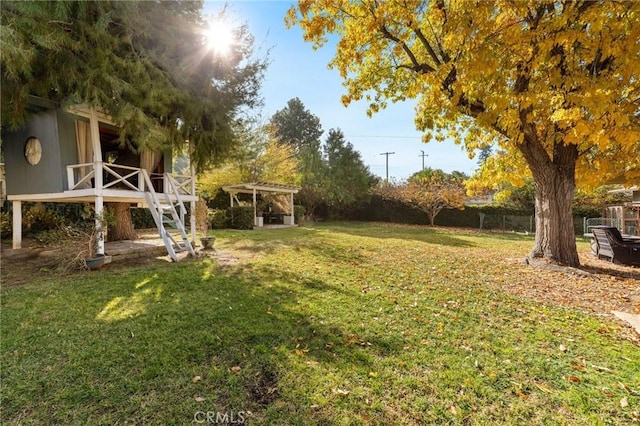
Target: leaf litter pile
[(599, 287)]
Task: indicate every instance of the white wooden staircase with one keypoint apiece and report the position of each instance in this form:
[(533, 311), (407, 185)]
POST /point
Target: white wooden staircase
[(168, 215)]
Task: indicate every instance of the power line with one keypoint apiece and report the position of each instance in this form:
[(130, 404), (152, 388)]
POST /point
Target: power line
[(423, 155), (387, 154), (381, 136)]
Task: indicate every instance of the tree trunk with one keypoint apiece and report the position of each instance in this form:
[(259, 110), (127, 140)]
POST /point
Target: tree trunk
[(122, 229), (555, 235), (432, 218)]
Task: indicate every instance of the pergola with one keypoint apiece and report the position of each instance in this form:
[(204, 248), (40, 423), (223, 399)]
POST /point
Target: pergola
[(263, 188)]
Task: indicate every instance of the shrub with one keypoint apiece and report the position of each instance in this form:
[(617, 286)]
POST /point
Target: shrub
[(219, 219), (298, 213), (142, 218), (38, 218), (5, 225), (241, 217)]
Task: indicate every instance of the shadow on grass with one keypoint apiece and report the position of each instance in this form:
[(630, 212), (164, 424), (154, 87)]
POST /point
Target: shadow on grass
[(157, 344), (622, 271), (394, 231)]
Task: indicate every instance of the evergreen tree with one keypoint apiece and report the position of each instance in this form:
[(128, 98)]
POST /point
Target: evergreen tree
[(145, 63), (349, 179), (296, 125)]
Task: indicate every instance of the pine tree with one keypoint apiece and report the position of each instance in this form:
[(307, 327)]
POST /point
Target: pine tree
[(146, 64)]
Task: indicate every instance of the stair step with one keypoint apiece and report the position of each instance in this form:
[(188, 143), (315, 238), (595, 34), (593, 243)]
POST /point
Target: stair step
[(169, 219)]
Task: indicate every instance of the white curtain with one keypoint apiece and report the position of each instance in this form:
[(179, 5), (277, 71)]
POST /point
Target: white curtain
[(85, 150), (149, 160)]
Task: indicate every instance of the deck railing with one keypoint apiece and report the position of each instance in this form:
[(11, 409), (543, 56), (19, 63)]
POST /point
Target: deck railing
[(100, 175)]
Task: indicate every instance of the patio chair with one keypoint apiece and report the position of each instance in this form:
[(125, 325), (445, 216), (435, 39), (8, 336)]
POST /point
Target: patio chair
[(610, 244)]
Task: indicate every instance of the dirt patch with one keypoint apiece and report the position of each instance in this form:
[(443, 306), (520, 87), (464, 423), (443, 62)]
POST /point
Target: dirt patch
[(36, 261), (264, 389)]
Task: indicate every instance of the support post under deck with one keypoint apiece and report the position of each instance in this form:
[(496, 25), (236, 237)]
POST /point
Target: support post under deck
[(17, 224)]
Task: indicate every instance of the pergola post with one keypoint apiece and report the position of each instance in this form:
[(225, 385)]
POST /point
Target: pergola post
[(255, 209), (17, 224), (293, 217)]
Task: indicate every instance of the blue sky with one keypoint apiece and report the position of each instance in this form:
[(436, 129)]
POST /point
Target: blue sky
[(296, 70)]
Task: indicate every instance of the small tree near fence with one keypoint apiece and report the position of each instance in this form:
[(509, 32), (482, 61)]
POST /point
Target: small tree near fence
[(429, 191)]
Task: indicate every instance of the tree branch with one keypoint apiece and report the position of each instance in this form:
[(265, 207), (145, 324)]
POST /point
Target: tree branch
[(427, 46), (417, 66)]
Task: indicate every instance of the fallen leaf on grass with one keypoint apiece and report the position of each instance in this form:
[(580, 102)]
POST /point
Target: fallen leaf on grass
[(341, 392), (574, 379), (603, 369), (199, 399), (627, 388), (562, 348), (235, 369), (624, 403), (196, 379), (543, 387)]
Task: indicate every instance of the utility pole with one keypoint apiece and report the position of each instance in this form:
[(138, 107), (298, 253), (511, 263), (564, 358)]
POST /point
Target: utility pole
[(387, 154), (423, 155)]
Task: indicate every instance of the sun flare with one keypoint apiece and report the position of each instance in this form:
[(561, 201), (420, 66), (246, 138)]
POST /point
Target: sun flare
[(219, 37)]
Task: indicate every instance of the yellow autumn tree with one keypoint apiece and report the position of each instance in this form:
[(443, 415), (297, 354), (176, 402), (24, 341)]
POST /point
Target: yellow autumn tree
[(429, 191), (555, 84), (274, 162)]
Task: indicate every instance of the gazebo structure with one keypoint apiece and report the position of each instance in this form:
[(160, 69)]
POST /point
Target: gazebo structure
[(263, 189)]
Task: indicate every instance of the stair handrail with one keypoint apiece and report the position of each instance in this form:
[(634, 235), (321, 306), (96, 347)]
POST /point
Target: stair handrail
[(183, 210), (174, 189)]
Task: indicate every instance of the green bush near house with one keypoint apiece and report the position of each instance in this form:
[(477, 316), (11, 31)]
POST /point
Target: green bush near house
[(142, 218), (240, 217), (219, 219), (5, 225)]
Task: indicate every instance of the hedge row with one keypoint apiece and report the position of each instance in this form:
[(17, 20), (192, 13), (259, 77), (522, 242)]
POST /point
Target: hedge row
[(484, 217)]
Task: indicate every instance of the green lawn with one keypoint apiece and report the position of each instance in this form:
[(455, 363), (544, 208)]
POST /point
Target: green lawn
[(327, 324)]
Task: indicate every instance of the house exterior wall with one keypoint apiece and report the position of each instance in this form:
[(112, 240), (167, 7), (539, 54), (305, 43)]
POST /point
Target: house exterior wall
[(46, 176), (67, 140), (56, 130)]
